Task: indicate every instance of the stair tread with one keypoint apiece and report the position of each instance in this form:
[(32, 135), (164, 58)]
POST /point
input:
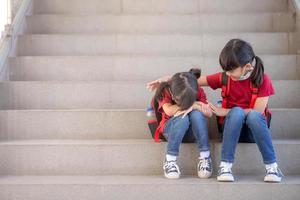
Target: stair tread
[(156, 14), (125, 180), (116, 142)]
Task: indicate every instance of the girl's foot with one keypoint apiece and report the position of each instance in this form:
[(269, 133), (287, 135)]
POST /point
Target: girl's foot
[(204, 168), (171, 170), (274, 174), (225, 173)]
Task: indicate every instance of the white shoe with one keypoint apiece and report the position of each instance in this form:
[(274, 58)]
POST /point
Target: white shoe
[(171, 170), (225, 174), (274, 175), (204, 168)]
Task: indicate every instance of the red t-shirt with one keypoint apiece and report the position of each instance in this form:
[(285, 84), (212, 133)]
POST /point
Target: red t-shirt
[(167, 98), (240, 92)]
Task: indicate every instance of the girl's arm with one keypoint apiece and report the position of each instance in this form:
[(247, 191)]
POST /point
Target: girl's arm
[(151, 86), (170, 109), (261, 104), (218, 111), (202, 107), (202, 81)]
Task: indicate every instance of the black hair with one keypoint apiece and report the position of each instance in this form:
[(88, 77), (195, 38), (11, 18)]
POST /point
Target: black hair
[(183, 87), (238, 53), (196, 72)]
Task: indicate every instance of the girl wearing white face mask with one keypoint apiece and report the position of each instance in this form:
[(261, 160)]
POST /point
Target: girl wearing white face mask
[(244, 116)]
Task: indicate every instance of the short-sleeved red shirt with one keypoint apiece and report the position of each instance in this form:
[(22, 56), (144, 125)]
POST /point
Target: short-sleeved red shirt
[(167, 98), (240, 91)]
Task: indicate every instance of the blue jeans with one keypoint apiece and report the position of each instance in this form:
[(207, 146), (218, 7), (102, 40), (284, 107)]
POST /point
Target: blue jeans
[(251, 127), (188, 129)]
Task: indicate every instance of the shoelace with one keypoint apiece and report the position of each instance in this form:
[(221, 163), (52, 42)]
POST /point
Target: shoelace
[(224, 170), (205, 164), (274, 170), (171, 166)]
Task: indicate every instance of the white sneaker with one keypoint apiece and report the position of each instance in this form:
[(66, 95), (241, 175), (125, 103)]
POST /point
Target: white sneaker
[(274, 175), (225, 174), (204, 168), (171, 170)]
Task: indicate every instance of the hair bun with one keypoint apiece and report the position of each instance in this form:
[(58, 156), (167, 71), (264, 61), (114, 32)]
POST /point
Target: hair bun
[(196, 72)]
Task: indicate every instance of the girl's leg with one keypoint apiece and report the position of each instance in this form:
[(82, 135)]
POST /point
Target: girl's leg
[(199, 129), (232, 129), (234, 123), (174, 132), (257, 123)]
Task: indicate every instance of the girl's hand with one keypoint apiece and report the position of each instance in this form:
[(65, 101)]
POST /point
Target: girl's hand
[(221, 112), (184, 112), (206, 109), (151, 86)]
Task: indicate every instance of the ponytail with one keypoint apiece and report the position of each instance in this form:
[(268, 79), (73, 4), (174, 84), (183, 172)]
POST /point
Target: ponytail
[(196, 72), (258, 72)]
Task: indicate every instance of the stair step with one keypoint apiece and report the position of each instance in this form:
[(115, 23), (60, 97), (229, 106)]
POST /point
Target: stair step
[(148, 44), (160, 23), (110, 94), (109, 124), (147, 68), (128, 157), (157, 6), (143, 187)]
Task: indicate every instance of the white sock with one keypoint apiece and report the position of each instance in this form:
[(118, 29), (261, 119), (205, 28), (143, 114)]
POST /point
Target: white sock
[(273, 165), (171, 158), (204, 154), (226, 164)]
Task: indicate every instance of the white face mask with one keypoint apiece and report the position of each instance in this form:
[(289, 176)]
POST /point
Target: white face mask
[(248, 73)]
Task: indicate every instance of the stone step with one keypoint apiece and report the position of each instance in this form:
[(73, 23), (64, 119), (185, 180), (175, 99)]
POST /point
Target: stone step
[(110, 94), (128, 157), (143, 68), (160, 23), (109, 124), (144, 187), (148, 44), (157, 6)]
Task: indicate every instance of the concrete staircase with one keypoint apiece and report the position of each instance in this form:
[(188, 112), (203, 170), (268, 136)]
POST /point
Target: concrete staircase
[(72, 118)]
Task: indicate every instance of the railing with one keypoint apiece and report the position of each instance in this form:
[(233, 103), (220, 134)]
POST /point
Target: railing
[(12, 27), (5, 14)]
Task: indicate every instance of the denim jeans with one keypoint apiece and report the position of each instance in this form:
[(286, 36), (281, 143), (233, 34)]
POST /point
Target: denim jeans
[(251, 127), (188, 129)]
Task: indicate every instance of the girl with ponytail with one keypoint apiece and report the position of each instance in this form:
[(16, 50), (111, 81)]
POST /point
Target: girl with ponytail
[(243, 116)]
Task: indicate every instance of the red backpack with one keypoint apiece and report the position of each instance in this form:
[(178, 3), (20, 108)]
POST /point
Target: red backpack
[(225, 93), (155, 119)]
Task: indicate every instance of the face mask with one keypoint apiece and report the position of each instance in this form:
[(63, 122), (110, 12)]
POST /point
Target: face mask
[(246, 75)]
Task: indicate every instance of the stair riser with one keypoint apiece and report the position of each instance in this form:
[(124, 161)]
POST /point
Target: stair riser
[(100, 95), (183, 45), (161, 6), (267, 22), (130, 159), (85, 125), (105, 68), (150, 191)]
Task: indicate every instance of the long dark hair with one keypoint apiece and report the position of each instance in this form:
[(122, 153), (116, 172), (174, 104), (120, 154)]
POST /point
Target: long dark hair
[(238, 53), (183, 87)]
